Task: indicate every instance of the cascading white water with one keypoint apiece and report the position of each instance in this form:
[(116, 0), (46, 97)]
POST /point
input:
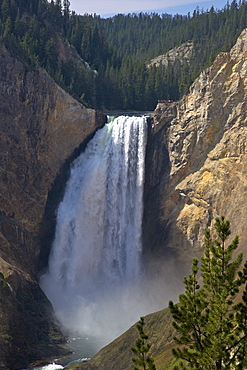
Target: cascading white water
[(94, 266)]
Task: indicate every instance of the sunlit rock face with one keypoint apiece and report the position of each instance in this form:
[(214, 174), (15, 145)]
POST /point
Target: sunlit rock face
[(197, 159), (182, 53)]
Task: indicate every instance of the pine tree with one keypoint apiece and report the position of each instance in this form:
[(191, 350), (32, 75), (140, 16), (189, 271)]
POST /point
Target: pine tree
[(5, 10), (66, 15), (142, 361), (212, 331)]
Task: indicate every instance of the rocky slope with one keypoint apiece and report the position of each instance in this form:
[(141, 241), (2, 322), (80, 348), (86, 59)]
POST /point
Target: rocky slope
[(196, 171), (118, 354), (182, 53), (41, 126)]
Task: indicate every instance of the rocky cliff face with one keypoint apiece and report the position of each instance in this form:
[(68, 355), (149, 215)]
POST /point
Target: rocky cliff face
[(182, 53), (40, 126), (197, 160)]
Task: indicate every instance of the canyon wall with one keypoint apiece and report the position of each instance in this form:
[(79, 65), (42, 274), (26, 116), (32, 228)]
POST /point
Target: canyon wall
[(41, 127), (197, 160)]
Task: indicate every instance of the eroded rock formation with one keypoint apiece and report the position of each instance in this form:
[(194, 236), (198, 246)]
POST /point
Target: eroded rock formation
[(203, 173)]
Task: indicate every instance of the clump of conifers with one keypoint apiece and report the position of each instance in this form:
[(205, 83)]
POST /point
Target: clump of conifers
[(211, 327)]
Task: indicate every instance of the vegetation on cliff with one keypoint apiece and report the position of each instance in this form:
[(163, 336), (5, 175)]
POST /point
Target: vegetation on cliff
[(118, 77), (212, 331)]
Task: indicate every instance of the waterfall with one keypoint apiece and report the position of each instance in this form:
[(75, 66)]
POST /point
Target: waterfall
[(94, 274)]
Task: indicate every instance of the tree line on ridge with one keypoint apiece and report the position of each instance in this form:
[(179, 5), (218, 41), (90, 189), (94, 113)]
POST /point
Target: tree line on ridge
[(118, 49)]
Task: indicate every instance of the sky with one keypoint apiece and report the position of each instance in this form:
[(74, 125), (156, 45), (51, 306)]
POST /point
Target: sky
[(108, 8)]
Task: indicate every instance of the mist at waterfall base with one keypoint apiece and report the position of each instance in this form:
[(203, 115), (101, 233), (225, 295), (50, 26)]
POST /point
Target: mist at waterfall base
[(95, 278)]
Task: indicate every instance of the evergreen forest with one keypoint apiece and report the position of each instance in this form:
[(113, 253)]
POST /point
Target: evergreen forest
[(115, 51)]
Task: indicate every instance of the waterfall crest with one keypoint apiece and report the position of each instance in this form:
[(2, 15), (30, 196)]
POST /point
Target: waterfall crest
[(94, 266)]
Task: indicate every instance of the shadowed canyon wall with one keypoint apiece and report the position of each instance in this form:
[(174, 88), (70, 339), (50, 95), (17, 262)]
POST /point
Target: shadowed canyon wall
[(41, 127)]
